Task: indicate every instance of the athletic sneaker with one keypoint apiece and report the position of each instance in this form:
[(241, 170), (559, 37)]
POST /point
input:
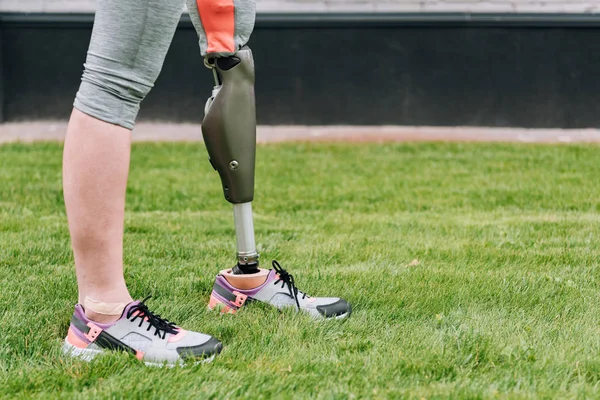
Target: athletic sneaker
[(152, 339), (279, 290)]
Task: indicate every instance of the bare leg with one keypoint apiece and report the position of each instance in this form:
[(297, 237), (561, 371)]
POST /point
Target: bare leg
[(129, 42), (95, 171), (95, 168)]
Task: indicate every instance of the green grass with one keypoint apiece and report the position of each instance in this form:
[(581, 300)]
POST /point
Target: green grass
[(503, 302)]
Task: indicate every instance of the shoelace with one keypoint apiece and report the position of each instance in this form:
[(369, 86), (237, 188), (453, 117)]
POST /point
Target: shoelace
[(162, 326), (287, 279)]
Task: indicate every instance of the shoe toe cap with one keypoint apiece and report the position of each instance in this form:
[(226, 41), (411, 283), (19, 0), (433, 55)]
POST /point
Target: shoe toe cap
[(335, 309), (204, 350)]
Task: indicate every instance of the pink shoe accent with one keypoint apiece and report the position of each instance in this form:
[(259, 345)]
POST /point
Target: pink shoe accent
[(95, 330), (135, 314), (213, 302), (240, 300), (177, 337), (139, 355), (222, 306), (228, 310), (75, 340), (312, 299)]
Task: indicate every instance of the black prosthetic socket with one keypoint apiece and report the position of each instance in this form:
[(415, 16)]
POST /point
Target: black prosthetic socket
[(226, 64), (244, 269)]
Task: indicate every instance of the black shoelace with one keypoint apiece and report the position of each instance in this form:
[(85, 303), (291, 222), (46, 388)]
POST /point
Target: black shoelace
[(162, 326), (287, 279)]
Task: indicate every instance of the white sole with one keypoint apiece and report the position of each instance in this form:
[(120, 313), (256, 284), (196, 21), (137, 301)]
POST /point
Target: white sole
[(322, 318), (89, 354), (341, 316), (316, 317)]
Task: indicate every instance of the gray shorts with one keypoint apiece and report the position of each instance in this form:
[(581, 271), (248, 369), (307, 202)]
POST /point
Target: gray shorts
[(129, 43)]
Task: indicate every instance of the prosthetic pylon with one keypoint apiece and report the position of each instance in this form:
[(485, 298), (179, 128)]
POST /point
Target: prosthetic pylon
[(229, 131)]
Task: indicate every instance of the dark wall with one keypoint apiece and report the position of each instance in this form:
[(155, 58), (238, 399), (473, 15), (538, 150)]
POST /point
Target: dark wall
[(540, 71)]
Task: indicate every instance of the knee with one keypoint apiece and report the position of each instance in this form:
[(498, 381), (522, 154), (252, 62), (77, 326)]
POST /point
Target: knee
[(113, 94)]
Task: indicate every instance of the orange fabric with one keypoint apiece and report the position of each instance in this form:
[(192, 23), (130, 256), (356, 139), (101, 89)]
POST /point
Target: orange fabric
[(218, 20)]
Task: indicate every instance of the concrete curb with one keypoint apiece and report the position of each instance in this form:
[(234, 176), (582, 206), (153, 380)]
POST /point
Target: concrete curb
[(148, 132)]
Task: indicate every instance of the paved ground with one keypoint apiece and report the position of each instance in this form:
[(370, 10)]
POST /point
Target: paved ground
[(38, 131)]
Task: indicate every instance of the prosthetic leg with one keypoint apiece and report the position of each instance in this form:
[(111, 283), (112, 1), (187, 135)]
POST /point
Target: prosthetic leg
[(229, 131)]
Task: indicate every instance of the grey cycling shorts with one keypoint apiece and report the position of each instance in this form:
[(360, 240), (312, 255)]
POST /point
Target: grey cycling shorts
[(130, 40)]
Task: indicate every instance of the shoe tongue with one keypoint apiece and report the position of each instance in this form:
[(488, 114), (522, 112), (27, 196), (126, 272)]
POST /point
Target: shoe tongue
[(272, 275), (128, 307)]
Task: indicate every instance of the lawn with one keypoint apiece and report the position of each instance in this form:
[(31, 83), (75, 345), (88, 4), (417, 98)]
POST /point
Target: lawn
[(472, 268)]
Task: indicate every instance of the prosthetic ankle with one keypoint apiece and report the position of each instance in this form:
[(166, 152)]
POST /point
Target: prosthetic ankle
[(229, 131), (245, 281)]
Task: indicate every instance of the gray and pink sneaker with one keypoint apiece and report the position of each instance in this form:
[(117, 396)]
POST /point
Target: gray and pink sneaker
[(147, 336), (280, 291)]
